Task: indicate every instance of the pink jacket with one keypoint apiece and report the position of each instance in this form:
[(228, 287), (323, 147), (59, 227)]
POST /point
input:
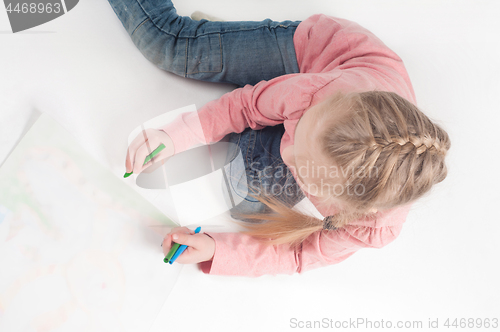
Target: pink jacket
[(333, 54)]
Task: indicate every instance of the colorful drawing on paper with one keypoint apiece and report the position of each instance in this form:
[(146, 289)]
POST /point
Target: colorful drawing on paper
[(79, 249)]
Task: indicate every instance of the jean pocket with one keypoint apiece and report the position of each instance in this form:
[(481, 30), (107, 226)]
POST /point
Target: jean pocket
[(204, 54)]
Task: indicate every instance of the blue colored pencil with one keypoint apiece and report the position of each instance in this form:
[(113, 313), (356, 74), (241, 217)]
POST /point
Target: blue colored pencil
[(182, 248)]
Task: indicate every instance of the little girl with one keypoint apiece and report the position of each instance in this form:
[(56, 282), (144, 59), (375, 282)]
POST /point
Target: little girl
[(324, 109)]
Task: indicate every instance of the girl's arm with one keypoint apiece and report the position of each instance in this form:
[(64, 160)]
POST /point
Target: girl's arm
[(268, 103), (240, 254)]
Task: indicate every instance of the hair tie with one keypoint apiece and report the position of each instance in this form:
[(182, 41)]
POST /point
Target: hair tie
[(328, 223)]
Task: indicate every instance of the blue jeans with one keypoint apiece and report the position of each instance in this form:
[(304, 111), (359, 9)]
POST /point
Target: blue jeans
[(262, 171), (228, 52), (242, 52)]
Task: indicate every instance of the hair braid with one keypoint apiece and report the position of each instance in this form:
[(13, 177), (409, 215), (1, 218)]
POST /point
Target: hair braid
[(397, 151)]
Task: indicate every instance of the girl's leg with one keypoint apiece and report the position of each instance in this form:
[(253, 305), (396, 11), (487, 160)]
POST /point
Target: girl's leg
[(229, 52), (262, 171)]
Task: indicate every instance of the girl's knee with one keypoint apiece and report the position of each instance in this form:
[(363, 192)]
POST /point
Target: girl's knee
[(165, 51)]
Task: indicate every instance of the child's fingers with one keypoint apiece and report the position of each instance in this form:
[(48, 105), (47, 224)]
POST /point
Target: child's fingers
[(140, 156), (173, 237), (128, 162), (131, 151), (200, 248), (143, 145), (187, 239), (167, 244), (179, 229), (161, 156), (167, 240)]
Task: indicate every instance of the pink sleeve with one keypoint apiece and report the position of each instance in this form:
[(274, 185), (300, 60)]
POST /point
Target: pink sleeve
[(238, 254), (268, 103)]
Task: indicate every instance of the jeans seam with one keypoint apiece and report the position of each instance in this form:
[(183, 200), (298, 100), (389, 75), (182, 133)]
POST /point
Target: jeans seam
[(171, 34), (251, 143), (248, 161), (220, 50), (139, 26), (281, 52), (186, 59), (220, 32)]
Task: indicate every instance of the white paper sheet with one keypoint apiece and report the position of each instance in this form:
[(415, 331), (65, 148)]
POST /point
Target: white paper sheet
[(79, 249)]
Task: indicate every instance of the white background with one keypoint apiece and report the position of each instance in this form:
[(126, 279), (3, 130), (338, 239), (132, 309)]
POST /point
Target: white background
[(84, 71)]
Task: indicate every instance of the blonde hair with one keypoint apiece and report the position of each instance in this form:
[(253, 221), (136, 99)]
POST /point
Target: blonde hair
[(382, 133)]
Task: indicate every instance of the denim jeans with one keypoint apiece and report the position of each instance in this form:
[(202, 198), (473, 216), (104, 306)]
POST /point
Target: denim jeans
[(259, 171), (240, 52)]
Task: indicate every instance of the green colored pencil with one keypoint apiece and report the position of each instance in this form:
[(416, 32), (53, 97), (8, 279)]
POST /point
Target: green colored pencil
[(149, 157), (171, 253)]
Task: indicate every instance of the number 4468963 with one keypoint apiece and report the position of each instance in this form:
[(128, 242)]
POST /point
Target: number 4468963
[(35, 8), (472, 323)]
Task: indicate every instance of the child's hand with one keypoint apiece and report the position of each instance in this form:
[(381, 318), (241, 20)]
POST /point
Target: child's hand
[(201, 247), (145, 143)]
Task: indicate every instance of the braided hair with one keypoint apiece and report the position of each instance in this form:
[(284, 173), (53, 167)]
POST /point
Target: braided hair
[(393, 152)]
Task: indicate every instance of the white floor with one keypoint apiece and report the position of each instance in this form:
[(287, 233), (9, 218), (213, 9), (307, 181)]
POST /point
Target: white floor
[(84, 71)]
